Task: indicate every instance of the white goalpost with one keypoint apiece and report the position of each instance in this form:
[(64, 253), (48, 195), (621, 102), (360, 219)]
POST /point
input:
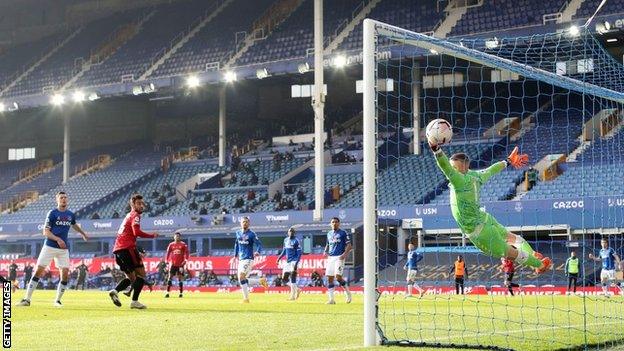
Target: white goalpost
[(370, 186), (533, 88)]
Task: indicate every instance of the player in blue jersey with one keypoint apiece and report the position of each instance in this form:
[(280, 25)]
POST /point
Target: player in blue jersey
[(292, 251), (56, 230), (610, 262), (411, 266), (337, 248), (246, 247)]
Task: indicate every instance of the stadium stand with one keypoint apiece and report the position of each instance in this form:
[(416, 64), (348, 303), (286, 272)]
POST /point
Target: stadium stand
[(9, 171), (16, 59), (294, 37), (59, 68), (229, 200), (266, 171), (601, 180), (416, 16), (51, 179), (507, 14), (402, 182), (134, 57), (216, 42), (84, 190), (588, 7), (603, 150), (160, 191)]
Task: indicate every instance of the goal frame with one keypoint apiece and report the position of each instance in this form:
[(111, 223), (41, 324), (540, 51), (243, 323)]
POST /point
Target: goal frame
[(372, 30)]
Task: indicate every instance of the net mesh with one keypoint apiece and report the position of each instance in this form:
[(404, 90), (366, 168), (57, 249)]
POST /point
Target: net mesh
[(558, 97)]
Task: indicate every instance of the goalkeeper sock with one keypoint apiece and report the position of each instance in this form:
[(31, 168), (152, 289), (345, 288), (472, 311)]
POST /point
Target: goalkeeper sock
[(523, 245), (528, 260), (245, 287), (32, 285), (123, 285), (60, 290)]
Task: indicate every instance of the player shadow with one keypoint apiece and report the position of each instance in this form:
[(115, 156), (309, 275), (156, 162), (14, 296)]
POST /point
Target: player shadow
[(619, 342), (406, 343)]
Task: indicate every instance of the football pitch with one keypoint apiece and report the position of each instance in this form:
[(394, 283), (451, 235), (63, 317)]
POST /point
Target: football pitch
[(218, 321)]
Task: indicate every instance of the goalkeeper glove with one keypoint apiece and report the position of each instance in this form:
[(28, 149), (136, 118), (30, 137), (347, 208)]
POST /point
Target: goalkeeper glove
[(517, 160)]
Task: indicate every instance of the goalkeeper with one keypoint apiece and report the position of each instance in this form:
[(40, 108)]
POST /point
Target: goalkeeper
[(479, 226)]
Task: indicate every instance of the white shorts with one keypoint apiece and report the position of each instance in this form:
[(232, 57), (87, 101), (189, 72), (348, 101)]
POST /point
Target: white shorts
[(60, 256), (244, 266), (334, 267), (607, 274), (289, 267), (411, 275)]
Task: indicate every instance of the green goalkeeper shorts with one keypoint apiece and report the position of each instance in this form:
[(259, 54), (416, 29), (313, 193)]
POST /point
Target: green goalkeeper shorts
[(490, 237)]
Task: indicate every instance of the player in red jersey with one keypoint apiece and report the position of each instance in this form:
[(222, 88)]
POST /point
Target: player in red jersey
[(177, 254), (128, 257), (507, 266)]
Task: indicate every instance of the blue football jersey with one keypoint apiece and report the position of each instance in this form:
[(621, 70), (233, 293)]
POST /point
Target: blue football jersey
[(244, 245), (413, 258), (608, 258), (59, 222), (292, 250), (337, 241)]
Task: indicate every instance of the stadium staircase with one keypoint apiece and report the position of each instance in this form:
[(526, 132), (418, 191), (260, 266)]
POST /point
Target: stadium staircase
[(579, 150), (614, 126), (454, 14), (569, 9), (33, 172), (178, 42), (110, 46), (342, 32), (270, 19), (40, 61)]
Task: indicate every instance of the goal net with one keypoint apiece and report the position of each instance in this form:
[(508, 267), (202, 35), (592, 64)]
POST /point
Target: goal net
[(558, 98)]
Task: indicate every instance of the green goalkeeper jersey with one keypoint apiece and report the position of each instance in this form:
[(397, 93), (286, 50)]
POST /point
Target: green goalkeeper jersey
[(465, 204)]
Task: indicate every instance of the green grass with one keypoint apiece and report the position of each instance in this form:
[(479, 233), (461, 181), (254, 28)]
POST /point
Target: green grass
[(205, 321)]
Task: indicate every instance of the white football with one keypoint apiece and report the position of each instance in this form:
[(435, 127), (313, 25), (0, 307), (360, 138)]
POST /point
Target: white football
[(439, 132)]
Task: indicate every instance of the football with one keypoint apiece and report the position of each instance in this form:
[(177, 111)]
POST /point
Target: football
[(439, 132)]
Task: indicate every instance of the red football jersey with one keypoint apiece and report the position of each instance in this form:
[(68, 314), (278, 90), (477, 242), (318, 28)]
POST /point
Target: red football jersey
[(177, 253), (508, 266), (128, 231)]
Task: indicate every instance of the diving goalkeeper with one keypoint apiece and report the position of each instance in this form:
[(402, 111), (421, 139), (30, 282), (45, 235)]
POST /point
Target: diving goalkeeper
[(479, 226)]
